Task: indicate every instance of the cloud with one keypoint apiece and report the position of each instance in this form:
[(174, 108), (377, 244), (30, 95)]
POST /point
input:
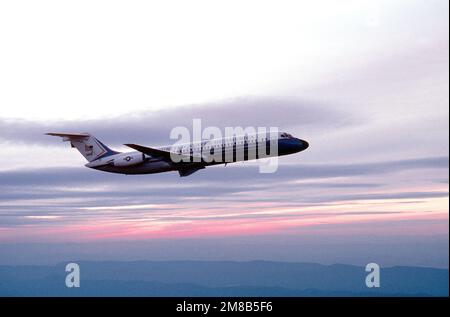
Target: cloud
[(216, 174), (384, 196), (71, 195), (154, 126), (67, 189)]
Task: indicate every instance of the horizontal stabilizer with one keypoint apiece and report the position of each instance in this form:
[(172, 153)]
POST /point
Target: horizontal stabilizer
[(71, 136)]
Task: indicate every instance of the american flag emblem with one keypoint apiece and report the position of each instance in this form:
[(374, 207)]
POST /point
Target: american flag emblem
[(89, 149)]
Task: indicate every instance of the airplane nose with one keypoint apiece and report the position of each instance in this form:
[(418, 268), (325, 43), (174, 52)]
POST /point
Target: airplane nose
[(303, 145)]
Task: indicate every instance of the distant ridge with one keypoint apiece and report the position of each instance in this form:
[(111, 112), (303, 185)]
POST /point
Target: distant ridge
[(220, 278)]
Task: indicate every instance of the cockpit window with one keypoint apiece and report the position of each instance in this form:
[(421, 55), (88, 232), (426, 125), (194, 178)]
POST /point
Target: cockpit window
[(286, 135)]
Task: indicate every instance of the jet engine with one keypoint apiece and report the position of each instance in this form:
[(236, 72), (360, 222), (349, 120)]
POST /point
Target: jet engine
[(129, 159)]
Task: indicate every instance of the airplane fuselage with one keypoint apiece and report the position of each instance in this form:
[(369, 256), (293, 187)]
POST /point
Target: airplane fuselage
[(202, 154)]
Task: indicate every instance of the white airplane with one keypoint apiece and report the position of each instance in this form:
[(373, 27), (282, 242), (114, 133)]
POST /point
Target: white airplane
[(184, 158)]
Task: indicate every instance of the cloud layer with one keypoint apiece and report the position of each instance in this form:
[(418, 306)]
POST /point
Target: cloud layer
[(60, 200), (155, 126)]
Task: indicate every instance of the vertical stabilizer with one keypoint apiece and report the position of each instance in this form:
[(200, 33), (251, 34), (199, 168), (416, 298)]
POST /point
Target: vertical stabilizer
[(91, 148)]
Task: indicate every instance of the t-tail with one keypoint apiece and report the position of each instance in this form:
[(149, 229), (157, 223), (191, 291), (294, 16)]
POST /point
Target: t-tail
[(91, 148)]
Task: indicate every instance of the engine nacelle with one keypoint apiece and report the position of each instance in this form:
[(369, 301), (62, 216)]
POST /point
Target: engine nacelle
[(129, 159)]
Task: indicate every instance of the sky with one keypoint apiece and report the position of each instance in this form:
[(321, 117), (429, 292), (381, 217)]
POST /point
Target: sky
[(366, 83)]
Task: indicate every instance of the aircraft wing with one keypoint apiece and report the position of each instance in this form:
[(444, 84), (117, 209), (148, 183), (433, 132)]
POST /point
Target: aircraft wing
[(160, 153)]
